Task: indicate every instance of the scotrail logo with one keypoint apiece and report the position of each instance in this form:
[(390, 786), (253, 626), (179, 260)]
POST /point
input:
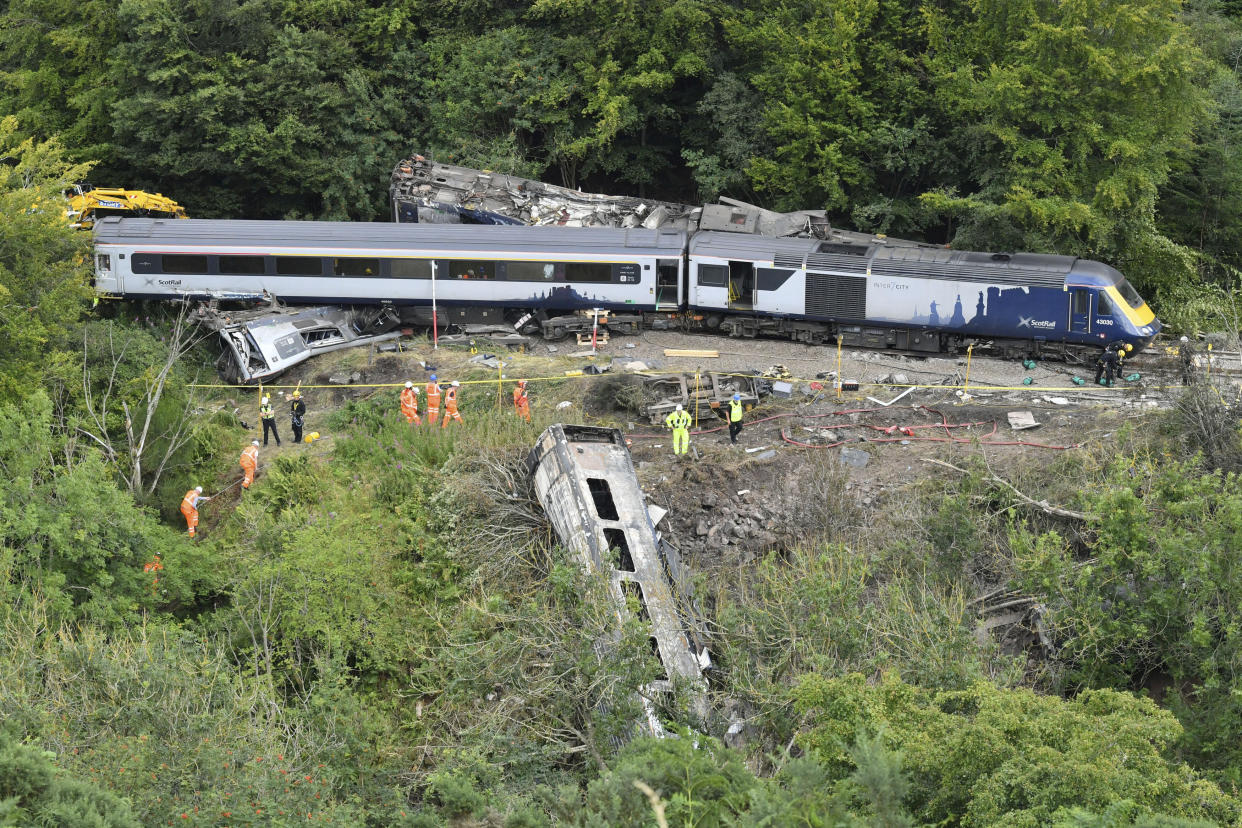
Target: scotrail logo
[(1031, 322)]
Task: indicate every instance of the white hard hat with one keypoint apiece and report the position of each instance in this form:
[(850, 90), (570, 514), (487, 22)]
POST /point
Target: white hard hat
[(455, 383), (254, 442), (266, 400), (409, 385), (678, 408), (1185, 339), (198, 488)]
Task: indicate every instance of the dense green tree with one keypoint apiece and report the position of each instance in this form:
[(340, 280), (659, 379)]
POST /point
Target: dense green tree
[(846, 109), (44, 264), (33, 791), (53, 55), (260, 118), (504, 99), (1071, 115), (67, 532), (641, 66), (989, 756), (1201, 206), (1156, 596)]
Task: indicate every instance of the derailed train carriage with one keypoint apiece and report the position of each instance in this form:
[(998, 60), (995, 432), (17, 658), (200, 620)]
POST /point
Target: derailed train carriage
[(878, 292)]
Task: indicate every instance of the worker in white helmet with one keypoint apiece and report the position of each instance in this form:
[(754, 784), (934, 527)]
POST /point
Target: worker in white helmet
[(450, 404), (189, 508), (249, 463), (409, 404), (269, 419), (679, 421), (1187, 355)]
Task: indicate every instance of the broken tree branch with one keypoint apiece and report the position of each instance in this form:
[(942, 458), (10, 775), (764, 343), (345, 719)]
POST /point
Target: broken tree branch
[(1043, 505)]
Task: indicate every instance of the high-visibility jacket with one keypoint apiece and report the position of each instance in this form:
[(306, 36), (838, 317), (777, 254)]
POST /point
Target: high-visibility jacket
[(433, 396), (735, 411), (678, 419), (250, 457), (409, 401), (265, 412), (450, 400), (189, 509)]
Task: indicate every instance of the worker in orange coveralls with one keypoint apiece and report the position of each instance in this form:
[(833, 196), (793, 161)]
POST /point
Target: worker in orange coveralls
[(521, 401), (433, 401), (250, 463), (409, 405), (152, 568), (450, 404), (189, 508)]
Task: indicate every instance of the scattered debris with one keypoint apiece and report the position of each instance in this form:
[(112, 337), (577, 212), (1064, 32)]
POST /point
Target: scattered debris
[(855, 458), (893, 400), (487, 360), (422, 190), (781, 389), (703, 400), (656, 513), (1022, 420), (1057, 400)]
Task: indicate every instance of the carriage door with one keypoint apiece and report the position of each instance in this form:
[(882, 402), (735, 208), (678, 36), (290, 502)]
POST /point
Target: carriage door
[(1080, 310), (741, 285), (711, 285), (668, 284)]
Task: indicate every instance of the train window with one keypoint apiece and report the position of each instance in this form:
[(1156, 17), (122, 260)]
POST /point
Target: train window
[(298, 266), (598, 272), (1082, 302), (1130, 294), (411, 268), (103, 262), (144, 263), (241, 264), (183, 264), (355, 267), (1103, 305), (713, 275), (530, 271), (464, 269)]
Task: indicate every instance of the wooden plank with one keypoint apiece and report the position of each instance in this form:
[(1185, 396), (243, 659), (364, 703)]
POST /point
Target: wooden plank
[(683, 352)]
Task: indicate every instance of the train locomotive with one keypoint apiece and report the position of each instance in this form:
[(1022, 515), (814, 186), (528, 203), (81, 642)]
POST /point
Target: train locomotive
[(869, 292)]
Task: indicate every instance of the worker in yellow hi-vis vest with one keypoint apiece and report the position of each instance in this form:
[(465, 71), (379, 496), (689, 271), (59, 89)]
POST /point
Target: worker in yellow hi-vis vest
[(735, 417), (679, 421)]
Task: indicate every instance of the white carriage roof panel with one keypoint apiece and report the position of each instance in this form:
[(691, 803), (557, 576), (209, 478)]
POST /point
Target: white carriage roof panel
[(329, 235), (744, 246)]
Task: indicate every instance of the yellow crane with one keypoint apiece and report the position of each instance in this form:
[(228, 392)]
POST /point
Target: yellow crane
[(87, 203)]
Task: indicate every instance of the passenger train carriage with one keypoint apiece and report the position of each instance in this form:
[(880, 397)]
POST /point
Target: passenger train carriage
[(912, 297), (877, 293)]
